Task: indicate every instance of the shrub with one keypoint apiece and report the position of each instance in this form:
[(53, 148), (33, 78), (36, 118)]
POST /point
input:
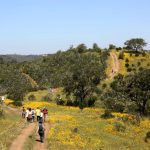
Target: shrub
[(133, 65), (121, 55), (147, 136), (129, 69), (143, 54), (1, 111), (131, 54), (138, 63), (137, 54), (148, 64), (107, 114), (127, 60), (119, 126), (59, 101), (31, 97), (104, 85), (70, 103), (141, 69), (17, 103), (91, 101), (126, 65), (47, 98)]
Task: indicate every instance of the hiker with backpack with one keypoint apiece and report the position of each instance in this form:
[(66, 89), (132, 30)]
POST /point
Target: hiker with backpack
[(30, 115), (45, 112), (41, 130)]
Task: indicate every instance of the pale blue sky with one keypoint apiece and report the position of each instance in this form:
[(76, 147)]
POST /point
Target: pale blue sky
[(45, 26)]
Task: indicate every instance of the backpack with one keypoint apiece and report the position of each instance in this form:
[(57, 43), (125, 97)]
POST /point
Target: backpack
[(41, 129), (30, 115)]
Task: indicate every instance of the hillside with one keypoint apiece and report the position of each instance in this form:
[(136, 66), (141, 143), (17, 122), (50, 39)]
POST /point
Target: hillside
[(19, 58)]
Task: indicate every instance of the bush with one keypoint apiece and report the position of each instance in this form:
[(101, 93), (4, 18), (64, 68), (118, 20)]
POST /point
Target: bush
[(129, 69), (121, 55), (148, 64), (59, 101), (104, 85), (147, 136), (138, 63), (131, 54), (141, 69), (107, 114), (31, 97), (126, 65), (127, 60), (17, 103), (119, 126), (1, 111), (133, 65), (137, 54), (70, 103), (143, 54), (47, 98), (90, 101)]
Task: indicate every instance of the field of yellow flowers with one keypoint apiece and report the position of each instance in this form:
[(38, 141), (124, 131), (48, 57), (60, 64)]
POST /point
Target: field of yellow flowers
[(73, 129)]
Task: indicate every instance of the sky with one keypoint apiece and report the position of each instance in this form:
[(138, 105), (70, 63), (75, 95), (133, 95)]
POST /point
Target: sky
[(46, 26)]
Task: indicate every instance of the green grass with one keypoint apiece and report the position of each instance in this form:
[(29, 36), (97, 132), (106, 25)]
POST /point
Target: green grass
[(11, 125), (29, 144), (133, 62), (91, 131)]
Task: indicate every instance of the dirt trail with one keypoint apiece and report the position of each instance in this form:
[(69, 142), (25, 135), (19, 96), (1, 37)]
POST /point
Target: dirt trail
[(18, 143), (41, 146), (115, 65)]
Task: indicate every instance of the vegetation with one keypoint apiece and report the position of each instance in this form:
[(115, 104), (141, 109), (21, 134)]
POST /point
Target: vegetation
[(135, 44)]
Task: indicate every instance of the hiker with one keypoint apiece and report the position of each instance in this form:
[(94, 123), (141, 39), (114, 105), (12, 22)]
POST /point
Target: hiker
[(41, 115), (33, 114), (37, 111), (30, 115), (27, 112), (23, 112), (41, 131), (2, 100), (45, 112)]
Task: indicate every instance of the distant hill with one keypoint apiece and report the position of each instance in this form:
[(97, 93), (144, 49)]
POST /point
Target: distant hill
[(19, 58)]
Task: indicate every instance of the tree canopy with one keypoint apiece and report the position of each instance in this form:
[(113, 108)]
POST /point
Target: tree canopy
[(136, 44)]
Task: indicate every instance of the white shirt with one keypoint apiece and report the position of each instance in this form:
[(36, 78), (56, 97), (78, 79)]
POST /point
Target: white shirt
[(41, 114)]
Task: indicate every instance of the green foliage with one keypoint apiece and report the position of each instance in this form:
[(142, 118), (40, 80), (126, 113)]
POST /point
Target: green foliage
[(111, 46), (47, 98), (127, 65), (107, 114), (136, 44), (59, 100), (83, 76), (31, 97), (132, 88), (81, 48), (119, 126), (121, 55)]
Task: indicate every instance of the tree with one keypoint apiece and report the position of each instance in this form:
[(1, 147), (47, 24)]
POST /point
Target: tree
[(111, 46), (96, 47), (133, 88), (136, 44), (82, 77), (81, 48)]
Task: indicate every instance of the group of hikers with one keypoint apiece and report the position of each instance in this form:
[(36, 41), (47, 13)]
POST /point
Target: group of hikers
[(40, 114)]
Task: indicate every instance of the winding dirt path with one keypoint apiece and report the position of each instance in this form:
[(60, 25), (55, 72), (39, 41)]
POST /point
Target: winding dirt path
[(41, 146), (18, 143), (115, 65)]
